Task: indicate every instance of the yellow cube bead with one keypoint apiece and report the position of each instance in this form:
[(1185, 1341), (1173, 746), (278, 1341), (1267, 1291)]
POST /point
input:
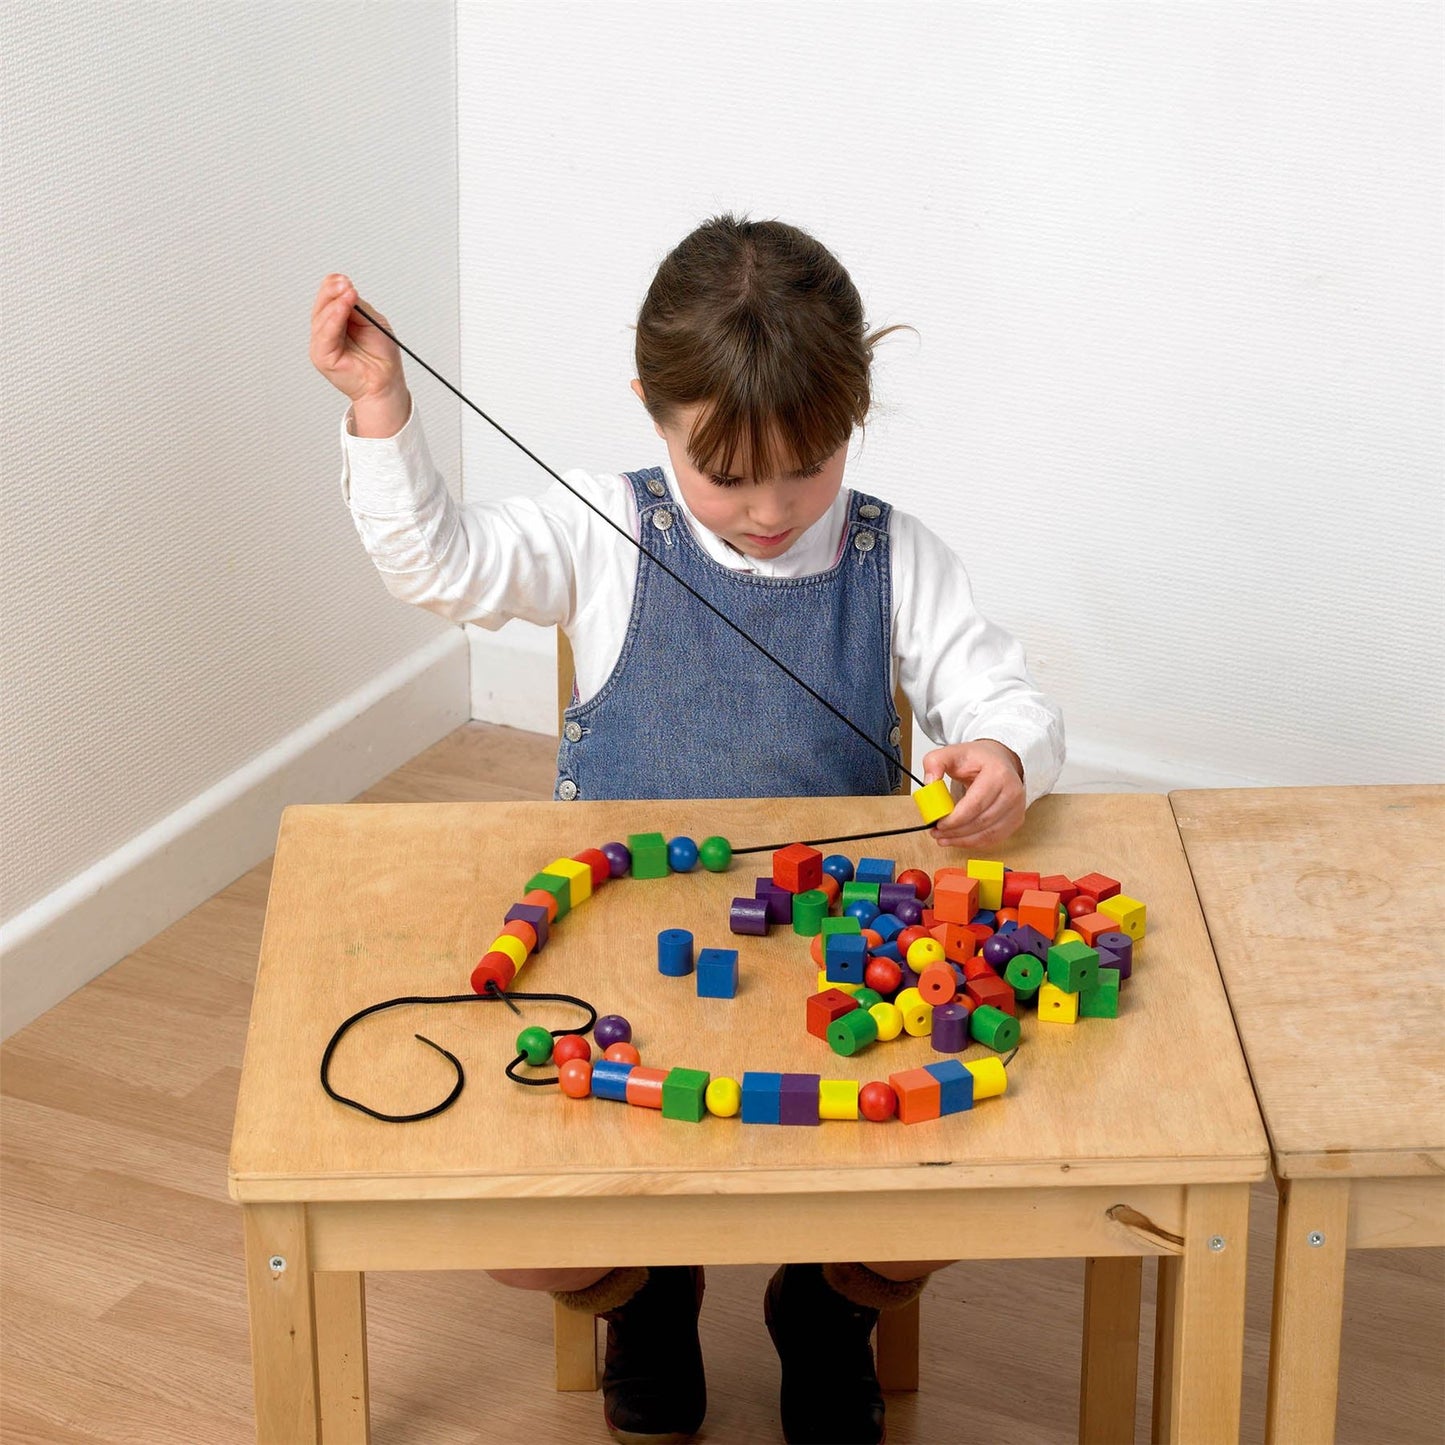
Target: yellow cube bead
[(512, 946), (723, 1097), (1056, 1006), (889, 1018), (825, 983), (934, 800), (578, 875), (990, 1078), (838, 1099), (1128, 912), (990, 882)]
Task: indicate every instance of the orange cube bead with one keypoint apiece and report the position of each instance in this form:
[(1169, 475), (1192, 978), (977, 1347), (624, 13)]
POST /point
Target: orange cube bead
[(1040, 910), (918, 1095), (960, 943), (1090, 925), (955, 899)]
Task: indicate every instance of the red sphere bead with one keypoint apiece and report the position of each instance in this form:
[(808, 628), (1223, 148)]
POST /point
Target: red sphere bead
[(622, 1054), (1081, 904), (883, 975), (918, 881), (909, 937), (570, 1046), (878, 1102), (575, 1078)]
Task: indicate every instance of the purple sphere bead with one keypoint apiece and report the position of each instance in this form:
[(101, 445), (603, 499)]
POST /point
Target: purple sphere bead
[(909, 911), (612, 1029), (619, 859), (998, 950)]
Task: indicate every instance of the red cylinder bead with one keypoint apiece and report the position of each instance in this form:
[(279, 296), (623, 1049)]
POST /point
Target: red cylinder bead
[(494, 968)]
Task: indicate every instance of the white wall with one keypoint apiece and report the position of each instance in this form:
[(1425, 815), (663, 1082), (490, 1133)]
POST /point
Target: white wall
[(192, 633), (1177, 275)]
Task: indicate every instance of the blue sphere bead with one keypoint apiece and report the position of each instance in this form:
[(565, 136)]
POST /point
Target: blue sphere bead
[(682, 855), (840, 867), (862, 910)]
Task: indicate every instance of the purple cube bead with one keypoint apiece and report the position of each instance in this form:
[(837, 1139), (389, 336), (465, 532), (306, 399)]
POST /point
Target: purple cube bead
[(534, 914), (950, 1028), (779, 900), (798, 1099), (611, 1029), (1116, 950), (749, 915), (619, 858)]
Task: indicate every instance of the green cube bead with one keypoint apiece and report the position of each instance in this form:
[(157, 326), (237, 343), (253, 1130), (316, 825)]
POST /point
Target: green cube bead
[(831, 926), (854, 891), (1073, 967), (809, 911), (1101, 1001), (649, 855), (715, 854), (559, 887), (684, 1095), (993, 1028), (852, 1031)]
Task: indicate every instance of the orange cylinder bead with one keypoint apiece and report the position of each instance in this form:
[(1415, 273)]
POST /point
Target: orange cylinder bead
[(542, 899), (519, 928), (937, 984), (832, 888), (644, 1087)]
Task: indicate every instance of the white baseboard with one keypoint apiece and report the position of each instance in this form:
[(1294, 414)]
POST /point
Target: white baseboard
[(78, 931)]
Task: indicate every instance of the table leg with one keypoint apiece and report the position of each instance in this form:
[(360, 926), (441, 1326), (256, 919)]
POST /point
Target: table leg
[(897, 1346), (1309, 1296), (1109, 1377), (341, 1356), (1166, 1295), (283, 1323), (1202, 1308), (574, 1341)]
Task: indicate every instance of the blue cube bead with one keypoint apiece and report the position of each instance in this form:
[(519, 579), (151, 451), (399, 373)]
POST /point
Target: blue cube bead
[(955, 1086), (845, 957), (874, 870), (717, 973), (762, 1098)]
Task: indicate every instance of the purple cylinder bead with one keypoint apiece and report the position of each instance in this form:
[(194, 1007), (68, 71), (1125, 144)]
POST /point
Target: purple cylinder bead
[(619, 858), (890, 895), (950, 1029), (749, 915), (1116, 950)]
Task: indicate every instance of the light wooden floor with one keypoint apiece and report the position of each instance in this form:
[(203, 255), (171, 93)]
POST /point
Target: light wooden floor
[(124, 1313)]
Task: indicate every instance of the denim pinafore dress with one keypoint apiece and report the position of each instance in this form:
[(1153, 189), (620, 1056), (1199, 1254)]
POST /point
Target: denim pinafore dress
[(691, 710)]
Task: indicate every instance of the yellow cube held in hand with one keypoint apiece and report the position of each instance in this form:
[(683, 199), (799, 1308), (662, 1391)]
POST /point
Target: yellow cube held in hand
[(934, 800)]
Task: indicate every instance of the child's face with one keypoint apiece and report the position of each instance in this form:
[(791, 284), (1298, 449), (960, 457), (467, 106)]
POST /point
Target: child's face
[(757, 518)]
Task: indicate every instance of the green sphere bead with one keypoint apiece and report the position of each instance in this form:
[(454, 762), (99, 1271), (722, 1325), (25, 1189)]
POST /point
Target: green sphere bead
[(716, 854), (867, 997), (536, 1043)]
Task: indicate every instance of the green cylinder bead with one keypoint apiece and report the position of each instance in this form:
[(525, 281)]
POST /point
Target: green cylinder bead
[(852, 1031), (809, 910), (993, 1028), (715, 854), (536, 1043), (1024, 974)]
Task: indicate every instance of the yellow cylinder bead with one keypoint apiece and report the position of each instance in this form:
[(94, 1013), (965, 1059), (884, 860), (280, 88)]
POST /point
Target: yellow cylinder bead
[(934, 801), (724, 1098), (990, 1078), (838, 1099), (889, 1018), (905, 998), (924, 951), (917, 1015), (512, 946)]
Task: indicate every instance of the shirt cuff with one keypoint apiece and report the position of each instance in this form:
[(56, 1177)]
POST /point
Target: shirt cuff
[(1039, 747), (386, 476)]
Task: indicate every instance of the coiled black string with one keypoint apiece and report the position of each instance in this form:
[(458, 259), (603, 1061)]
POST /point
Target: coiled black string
[(846, 838), (872, 742), (493, 995)]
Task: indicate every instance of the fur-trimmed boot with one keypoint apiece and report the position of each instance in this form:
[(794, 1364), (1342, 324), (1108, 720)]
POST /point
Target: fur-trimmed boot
[(653, 1389), (821, 1317)]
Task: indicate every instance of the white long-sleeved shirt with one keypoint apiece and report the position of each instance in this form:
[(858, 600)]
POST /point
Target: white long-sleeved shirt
[(551, 561)]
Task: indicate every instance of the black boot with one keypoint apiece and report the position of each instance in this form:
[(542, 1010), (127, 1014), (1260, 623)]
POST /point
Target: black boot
[(830, 1393), (653, 1390)]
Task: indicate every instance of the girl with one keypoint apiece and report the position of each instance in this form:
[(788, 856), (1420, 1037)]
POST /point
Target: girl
[(753, 362)]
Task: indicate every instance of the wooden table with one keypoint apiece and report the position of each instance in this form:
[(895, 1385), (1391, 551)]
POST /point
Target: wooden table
[(1326, 907), (1116, 1140)]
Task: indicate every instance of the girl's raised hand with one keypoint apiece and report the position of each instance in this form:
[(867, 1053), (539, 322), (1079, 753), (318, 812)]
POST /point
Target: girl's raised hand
[(992, 808), (357, 359)]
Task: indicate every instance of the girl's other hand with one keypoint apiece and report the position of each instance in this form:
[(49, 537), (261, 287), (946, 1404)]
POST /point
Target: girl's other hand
[(992, 808), (357, 359)]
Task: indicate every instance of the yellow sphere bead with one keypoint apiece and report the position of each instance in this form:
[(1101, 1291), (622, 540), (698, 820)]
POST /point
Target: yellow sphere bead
[(923, 952), (889, 1018), (723, 1098)]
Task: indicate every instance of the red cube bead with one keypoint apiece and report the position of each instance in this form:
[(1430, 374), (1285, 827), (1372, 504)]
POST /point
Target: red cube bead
[(797, 868), (824, 1007), (992, 990)]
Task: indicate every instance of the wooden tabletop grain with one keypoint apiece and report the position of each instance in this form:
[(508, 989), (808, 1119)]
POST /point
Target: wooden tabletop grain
[(1326, 908), (374, 901)]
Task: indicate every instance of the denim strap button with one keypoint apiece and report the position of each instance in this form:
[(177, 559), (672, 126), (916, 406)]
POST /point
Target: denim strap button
[(864, 541), (896, 736), (662, 519), (567, 790), (868, 511), (657, 486), (572, 732)]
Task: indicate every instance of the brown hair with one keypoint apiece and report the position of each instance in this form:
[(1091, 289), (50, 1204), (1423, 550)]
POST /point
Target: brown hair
[(761, 324)]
